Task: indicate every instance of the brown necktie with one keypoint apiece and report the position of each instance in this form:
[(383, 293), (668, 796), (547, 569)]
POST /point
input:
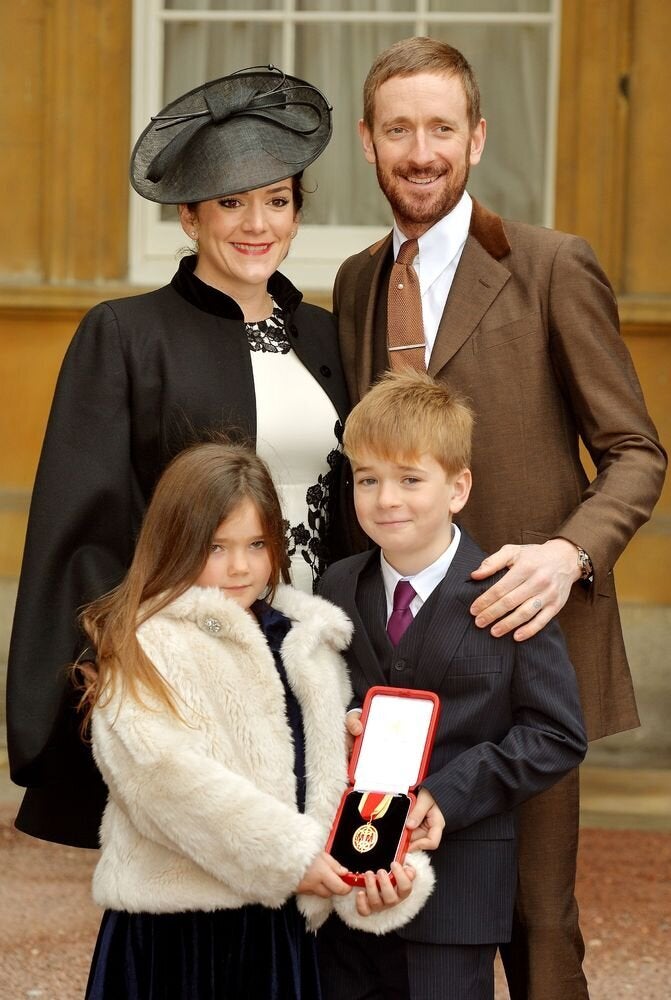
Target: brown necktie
[(405, 329)]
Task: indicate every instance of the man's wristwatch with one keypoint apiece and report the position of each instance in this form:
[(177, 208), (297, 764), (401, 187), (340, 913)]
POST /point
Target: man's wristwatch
[(585, 565)]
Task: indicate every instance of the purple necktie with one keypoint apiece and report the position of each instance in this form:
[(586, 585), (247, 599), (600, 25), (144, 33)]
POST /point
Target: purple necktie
[(401, 616)]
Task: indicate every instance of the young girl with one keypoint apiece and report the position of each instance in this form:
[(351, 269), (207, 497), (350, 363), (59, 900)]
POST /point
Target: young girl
[(217, 721)]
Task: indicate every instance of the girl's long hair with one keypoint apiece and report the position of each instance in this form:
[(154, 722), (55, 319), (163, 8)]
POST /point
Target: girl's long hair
[(198, 490)]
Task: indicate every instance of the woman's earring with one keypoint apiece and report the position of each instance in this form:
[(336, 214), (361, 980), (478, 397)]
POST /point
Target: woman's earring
[(294, 234), (194, 234)]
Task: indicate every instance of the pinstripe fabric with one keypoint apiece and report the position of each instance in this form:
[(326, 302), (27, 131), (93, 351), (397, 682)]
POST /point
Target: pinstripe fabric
[(397, 662), (510, 726), (358, 966), (440, 972), (371, 602)]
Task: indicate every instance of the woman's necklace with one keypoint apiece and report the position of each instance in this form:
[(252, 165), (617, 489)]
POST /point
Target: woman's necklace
[(264, 310), (268, 335)]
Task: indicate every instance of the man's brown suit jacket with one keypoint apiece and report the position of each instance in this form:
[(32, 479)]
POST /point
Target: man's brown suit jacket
[(530, 335)]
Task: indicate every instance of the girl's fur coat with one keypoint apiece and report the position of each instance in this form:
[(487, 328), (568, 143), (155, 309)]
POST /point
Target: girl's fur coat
[(202, 809)]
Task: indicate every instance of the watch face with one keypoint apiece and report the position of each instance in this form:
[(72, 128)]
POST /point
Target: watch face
[(585, 564)]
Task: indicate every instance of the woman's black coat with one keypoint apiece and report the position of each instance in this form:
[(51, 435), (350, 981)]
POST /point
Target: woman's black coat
[(142, 378)]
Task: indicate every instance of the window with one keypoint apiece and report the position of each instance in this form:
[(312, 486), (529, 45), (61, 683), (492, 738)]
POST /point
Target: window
[(512, 45)]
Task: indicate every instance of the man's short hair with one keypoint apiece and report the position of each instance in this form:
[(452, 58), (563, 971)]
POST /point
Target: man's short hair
[(408, 414), (411, 56)]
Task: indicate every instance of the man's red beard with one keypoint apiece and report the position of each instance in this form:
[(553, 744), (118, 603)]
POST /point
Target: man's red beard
[(422, 207)]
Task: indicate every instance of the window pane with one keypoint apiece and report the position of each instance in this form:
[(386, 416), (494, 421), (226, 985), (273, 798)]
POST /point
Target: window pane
[(492, 6), (458, 6), (347, 192), (381, 6), (511, 66), (195, 53), (510, 62), (223, 4)]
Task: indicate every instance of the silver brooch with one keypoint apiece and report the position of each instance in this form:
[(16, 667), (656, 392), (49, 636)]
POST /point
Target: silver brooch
[(212, 625)]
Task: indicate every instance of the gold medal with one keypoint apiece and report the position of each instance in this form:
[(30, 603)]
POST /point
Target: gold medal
[(365, 838), (373, 805)]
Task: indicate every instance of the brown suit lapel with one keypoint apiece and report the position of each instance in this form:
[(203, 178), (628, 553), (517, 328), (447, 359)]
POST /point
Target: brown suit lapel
[(478, 280)]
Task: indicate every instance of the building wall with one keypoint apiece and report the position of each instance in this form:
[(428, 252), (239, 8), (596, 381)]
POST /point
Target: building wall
[(64, 139)]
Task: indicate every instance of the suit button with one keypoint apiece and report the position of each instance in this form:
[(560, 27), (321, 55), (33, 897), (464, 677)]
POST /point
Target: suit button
[(325, 371), (293, 330), (399, 665)]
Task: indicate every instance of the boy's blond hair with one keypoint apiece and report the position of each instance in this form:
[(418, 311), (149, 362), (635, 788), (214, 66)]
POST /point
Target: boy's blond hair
[(408, 414)]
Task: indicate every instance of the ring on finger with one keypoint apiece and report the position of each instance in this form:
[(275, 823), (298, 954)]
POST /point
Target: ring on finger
[(537, 604)]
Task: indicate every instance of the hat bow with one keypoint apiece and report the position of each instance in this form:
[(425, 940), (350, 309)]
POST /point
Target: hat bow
[(284, 106)]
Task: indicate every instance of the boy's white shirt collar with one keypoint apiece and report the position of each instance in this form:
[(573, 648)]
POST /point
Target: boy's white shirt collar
[(425, 582)]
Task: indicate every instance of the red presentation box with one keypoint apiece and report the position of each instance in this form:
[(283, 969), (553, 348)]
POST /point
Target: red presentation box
[(390, 758)]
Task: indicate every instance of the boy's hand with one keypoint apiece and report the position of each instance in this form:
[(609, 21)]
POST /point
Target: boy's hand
[(535, 588), (353, 729), (323, 878), (426, 822), (380, 894)]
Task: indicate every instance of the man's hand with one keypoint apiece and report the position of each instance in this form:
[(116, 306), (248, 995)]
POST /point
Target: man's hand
[(535, 588), (353, 729), (380, 893), (426, 822), (323, 878)]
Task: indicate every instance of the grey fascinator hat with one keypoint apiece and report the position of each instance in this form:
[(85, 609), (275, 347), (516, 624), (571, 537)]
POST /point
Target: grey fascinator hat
[(238, 133)]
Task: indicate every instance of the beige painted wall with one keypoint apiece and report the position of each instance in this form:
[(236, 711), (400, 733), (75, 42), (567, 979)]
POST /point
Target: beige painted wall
[(64, 125)]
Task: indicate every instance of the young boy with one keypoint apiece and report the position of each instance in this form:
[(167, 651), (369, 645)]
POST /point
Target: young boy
[(510, 723)]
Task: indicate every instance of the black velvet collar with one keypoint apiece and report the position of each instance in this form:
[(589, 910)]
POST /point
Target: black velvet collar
[(211, 300)]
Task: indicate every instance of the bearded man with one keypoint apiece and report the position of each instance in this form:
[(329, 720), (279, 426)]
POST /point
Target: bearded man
[(522, 320)]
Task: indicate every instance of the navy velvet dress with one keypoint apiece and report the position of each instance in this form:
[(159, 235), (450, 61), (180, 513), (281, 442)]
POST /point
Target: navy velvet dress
[(250, 952)]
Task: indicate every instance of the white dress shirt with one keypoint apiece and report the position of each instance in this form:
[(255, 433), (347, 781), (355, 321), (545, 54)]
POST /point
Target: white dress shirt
[(440, 250), (425, 582)]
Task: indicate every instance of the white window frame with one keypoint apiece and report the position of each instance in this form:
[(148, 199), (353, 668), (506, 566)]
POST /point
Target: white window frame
[(318, 249)]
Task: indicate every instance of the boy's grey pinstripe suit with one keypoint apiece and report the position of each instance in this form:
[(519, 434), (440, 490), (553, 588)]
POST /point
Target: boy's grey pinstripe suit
[(510, 726)]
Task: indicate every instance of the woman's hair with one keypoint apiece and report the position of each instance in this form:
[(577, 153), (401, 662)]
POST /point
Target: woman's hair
[(198, 490), (298, 191)]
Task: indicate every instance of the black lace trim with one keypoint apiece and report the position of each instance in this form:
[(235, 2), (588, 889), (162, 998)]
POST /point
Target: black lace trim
[(310, 540), (268, 334)]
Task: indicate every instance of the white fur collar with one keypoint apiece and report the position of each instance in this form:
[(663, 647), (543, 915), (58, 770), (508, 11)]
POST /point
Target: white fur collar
[(317, 620)]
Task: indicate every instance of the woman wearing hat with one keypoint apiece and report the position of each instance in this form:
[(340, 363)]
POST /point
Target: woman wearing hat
[(228, 346)]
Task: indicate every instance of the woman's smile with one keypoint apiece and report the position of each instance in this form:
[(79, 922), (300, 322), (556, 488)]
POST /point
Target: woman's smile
[(242, 240), (254, 249)]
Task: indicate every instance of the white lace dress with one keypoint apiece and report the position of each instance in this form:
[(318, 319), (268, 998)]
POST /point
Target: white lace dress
[(296, 436)]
